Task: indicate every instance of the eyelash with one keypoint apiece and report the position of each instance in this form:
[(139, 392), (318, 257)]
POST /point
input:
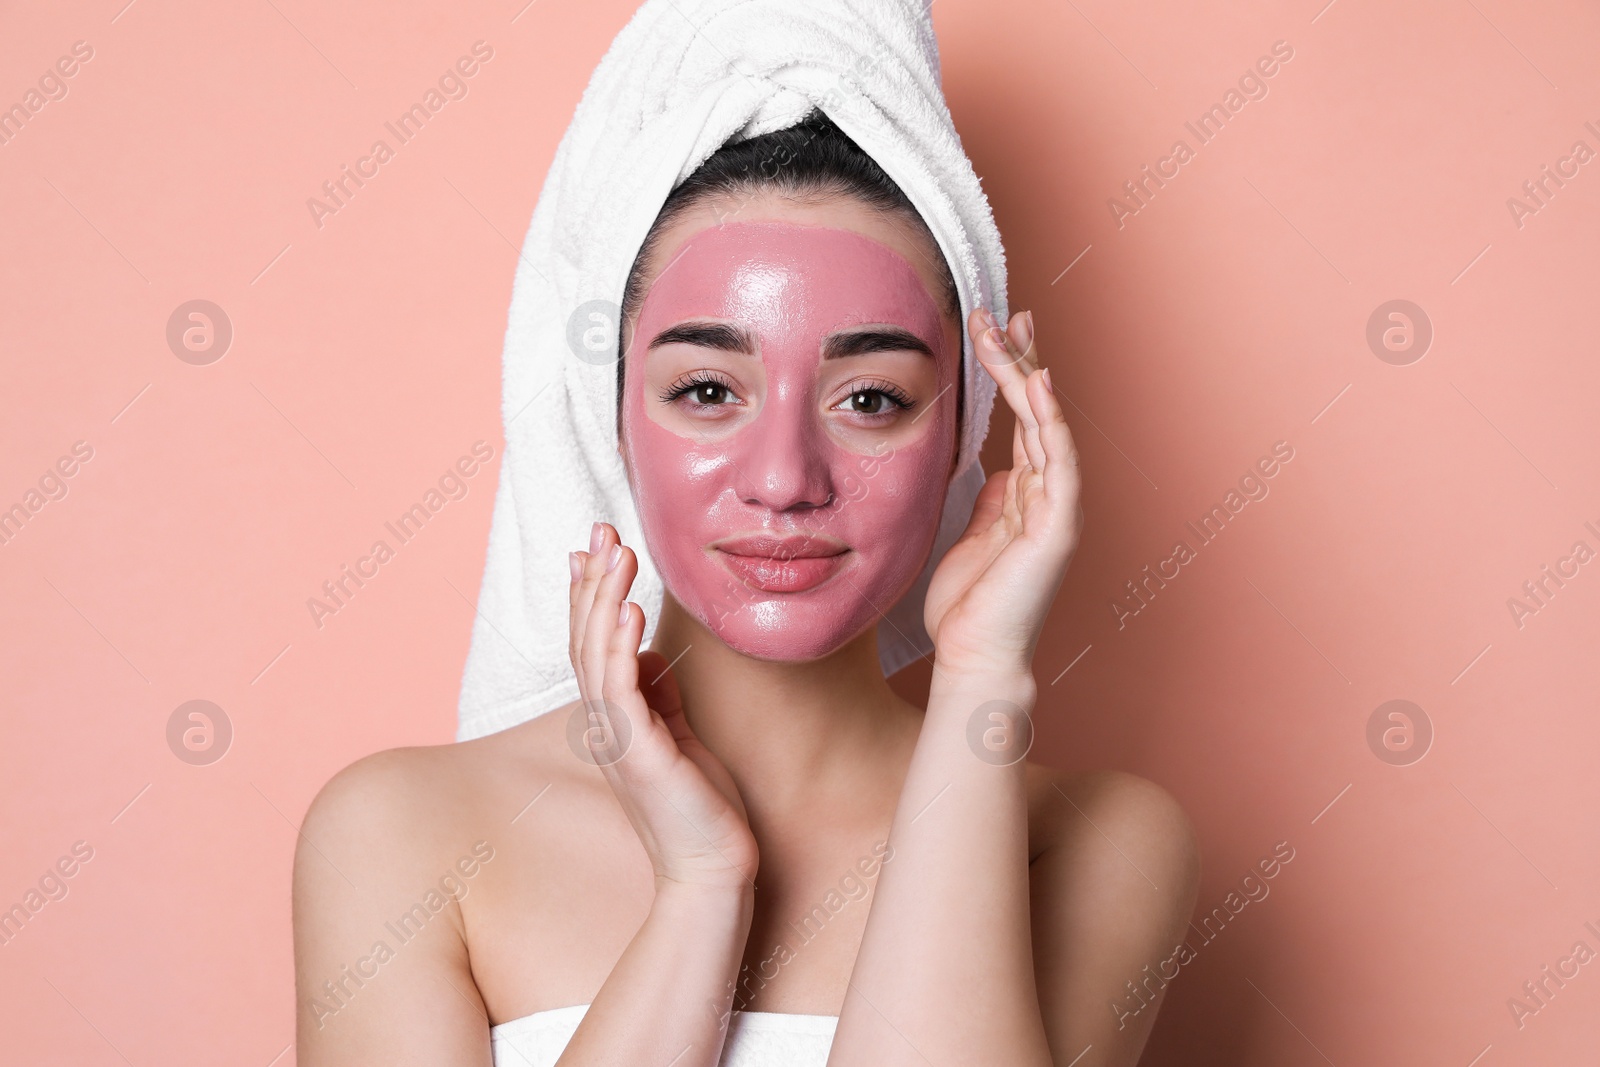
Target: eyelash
[(688, 385), (897, 396)]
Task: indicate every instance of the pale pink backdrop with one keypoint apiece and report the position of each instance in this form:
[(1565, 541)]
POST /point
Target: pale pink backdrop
[(1227, 313)]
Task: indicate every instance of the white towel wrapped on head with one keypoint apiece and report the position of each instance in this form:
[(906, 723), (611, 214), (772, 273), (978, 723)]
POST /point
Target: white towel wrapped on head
[(680, 80)]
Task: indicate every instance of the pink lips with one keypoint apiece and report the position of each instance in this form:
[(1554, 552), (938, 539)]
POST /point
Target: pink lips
[(781, 564)]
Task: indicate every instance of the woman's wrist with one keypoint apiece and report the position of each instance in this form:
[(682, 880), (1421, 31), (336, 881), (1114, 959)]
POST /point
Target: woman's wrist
[(992, 711), (991, 681), (709, 924), (701, 903)]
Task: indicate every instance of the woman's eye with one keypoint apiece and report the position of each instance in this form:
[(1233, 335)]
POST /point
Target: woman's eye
[(702, 392), (869, 402), (878, 399)]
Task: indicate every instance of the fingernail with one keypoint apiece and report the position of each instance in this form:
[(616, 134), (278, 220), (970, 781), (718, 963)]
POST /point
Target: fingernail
[(577, 565), (613, 559), (595, 533), (996, 337), (987, 317), (1047, 383), (1025, 328), (622, 614)]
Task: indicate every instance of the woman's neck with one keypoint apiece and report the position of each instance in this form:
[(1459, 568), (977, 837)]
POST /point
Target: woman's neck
[(790, 733)]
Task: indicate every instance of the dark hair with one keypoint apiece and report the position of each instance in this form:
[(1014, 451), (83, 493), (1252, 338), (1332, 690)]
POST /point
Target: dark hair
[(812, 160)]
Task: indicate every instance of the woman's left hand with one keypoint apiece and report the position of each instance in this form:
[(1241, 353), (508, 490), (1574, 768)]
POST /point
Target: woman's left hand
[(989, 596)]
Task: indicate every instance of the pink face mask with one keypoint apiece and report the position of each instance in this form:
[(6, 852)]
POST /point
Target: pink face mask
[(787, 497)]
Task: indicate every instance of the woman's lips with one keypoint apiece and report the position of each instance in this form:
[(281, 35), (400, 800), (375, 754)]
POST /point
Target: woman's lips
[(775, 575), (781, 563)]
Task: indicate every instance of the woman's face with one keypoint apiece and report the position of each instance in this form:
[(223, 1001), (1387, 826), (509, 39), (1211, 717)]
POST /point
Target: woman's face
[(789, 420)]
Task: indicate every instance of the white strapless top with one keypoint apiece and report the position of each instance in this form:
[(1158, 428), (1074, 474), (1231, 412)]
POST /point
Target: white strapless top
[(755, 1038)]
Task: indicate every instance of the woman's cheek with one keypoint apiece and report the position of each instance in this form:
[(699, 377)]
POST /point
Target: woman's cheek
[(899, 496), (675, 480)]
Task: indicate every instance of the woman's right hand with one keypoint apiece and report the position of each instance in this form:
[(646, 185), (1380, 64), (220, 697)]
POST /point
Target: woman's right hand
[(679, 797)]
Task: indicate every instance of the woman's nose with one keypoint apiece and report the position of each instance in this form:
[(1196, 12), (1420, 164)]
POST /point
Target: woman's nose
[(784, 464)]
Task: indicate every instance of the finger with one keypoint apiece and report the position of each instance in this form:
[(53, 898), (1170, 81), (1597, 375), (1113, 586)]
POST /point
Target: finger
[(1020, 330), (588, 589), (660, 688), (1020, 333), (1037, 392), (592, 562), (1013, 500), (639, 745), (1007, 369), (610, 587), (1062, 476), (580, 594), (619, 686), (573, 630), (1019, 448), (1012, 342), (987, 507), (1026, 449)]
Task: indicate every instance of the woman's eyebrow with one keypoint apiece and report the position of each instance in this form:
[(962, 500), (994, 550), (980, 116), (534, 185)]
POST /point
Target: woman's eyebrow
[(731, 337), (727, 337), (874, 339)]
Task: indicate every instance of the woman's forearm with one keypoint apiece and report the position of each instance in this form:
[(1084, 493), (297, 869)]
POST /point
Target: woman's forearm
[(945, 970), (667, 999)]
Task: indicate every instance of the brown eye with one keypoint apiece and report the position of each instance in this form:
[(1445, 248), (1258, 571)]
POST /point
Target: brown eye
[(703, 390), (876, 398), (868, 402)]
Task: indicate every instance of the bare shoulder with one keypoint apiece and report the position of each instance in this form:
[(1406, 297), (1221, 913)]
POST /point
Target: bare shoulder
[(1115, 872), (387, 809), (400, 807), (390, 850), (1069, 807)]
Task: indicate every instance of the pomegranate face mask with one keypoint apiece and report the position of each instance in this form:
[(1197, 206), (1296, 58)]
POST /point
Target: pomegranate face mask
[(789, 415)]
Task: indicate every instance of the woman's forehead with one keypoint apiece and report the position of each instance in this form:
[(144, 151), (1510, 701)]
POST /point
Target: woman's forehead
[(888, 229), (787, 279)]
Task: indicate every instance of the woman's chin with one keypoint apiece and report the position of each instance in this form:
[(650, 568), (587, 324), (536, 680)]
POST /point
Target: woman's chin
[(795, 627), (760, 631)]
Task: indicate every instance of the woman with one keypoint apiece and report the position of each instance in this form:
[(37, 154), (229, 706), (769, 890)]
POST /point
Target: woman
[(703, 872)]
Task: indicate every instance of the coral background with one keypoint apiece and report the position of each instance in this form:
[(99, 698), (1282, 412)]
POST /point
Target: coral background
[(1228, 313)]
